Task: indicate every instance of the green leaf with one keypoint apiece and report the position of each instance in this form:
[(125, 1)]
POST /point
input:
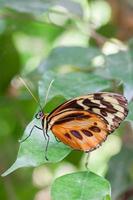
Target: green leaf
[(81, 186), (9, 61), (31, 26), (130, 43), (120, 172), (54, 102), (32, 151), (130, 114), (120, 66), (40, 6), (74, 56), (71, 85), (107, 197)]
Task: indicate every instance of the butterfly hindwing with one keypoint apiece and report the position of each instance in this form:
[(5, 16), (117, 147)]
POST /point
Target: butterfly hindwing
[(79, 129)]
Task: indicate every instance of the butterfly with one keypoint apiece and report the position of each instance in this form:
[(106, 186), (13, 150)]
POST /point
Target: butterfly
[(84, 122)]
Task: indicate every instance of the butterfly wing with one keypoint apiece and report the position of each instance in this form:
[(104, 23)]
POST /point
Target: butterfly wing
[(79, 129), (98, 114)]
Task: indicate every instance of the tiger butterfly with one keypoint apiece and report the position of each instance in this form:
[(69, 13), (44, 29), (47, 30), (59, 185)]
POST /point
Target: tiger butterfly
[(83, 123)]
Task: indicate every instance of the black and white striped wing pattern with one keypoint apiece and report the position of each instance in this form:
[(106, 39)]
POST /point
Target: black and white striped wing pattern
[(112, 107)]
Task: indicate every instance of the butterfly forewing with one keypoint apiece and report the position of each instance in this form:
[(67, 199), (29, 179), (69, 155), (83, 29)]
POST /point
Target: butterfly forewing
[(98, 114)]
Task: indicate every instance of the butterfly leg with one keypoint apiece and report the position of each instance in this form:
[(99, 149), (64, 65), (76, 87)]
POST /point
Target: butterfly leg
[(43, 129), (30, 133), (46, 136), (46, 148), (87, 160)]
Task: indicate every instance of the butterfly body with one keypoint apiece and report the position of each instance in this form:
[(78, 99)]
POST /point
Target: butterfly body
[(83, 123)]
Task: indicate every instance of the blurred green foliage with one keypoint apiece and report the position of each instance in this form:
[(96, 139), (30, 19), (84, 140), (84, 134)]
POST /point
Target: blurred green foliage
[(70, 42), (73, 183)]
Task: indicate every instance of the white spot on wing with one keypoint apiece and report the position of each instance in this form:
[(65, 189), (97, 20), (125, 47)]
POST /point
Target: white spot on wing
[(96, 110), (110, 99), (119, 108), (95, 101), (109, 120), (119, 114), (110, 115)]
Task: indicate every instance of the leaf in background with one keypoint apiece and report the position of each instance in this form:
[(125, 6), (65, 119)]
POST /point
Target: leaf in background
[(54, 102), (120, 66), (81, 186), (25, 23), (108, 30), (32, 151), (130, 114), (120, 172), (9, 61), (74, 56), (41, 6), (71, 85), (130, 43)]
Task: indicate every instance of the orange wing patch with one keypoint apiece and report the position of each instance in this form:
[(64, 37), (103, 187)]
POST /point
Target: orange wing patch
[(79, 129)]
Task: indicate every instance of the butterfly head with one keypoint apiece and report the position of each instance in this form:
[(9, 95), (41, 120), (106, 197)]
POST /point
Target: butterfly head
[(40, 115)]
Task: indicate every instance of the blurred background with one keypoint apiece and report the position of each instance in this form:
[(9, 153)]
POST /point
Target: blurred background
[(29, 31)]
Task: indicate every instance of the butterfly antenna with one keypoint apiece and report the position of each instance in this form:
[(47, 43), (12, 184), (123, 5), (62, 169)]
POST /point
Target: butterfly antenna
[(48, 91), (36, 100)]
